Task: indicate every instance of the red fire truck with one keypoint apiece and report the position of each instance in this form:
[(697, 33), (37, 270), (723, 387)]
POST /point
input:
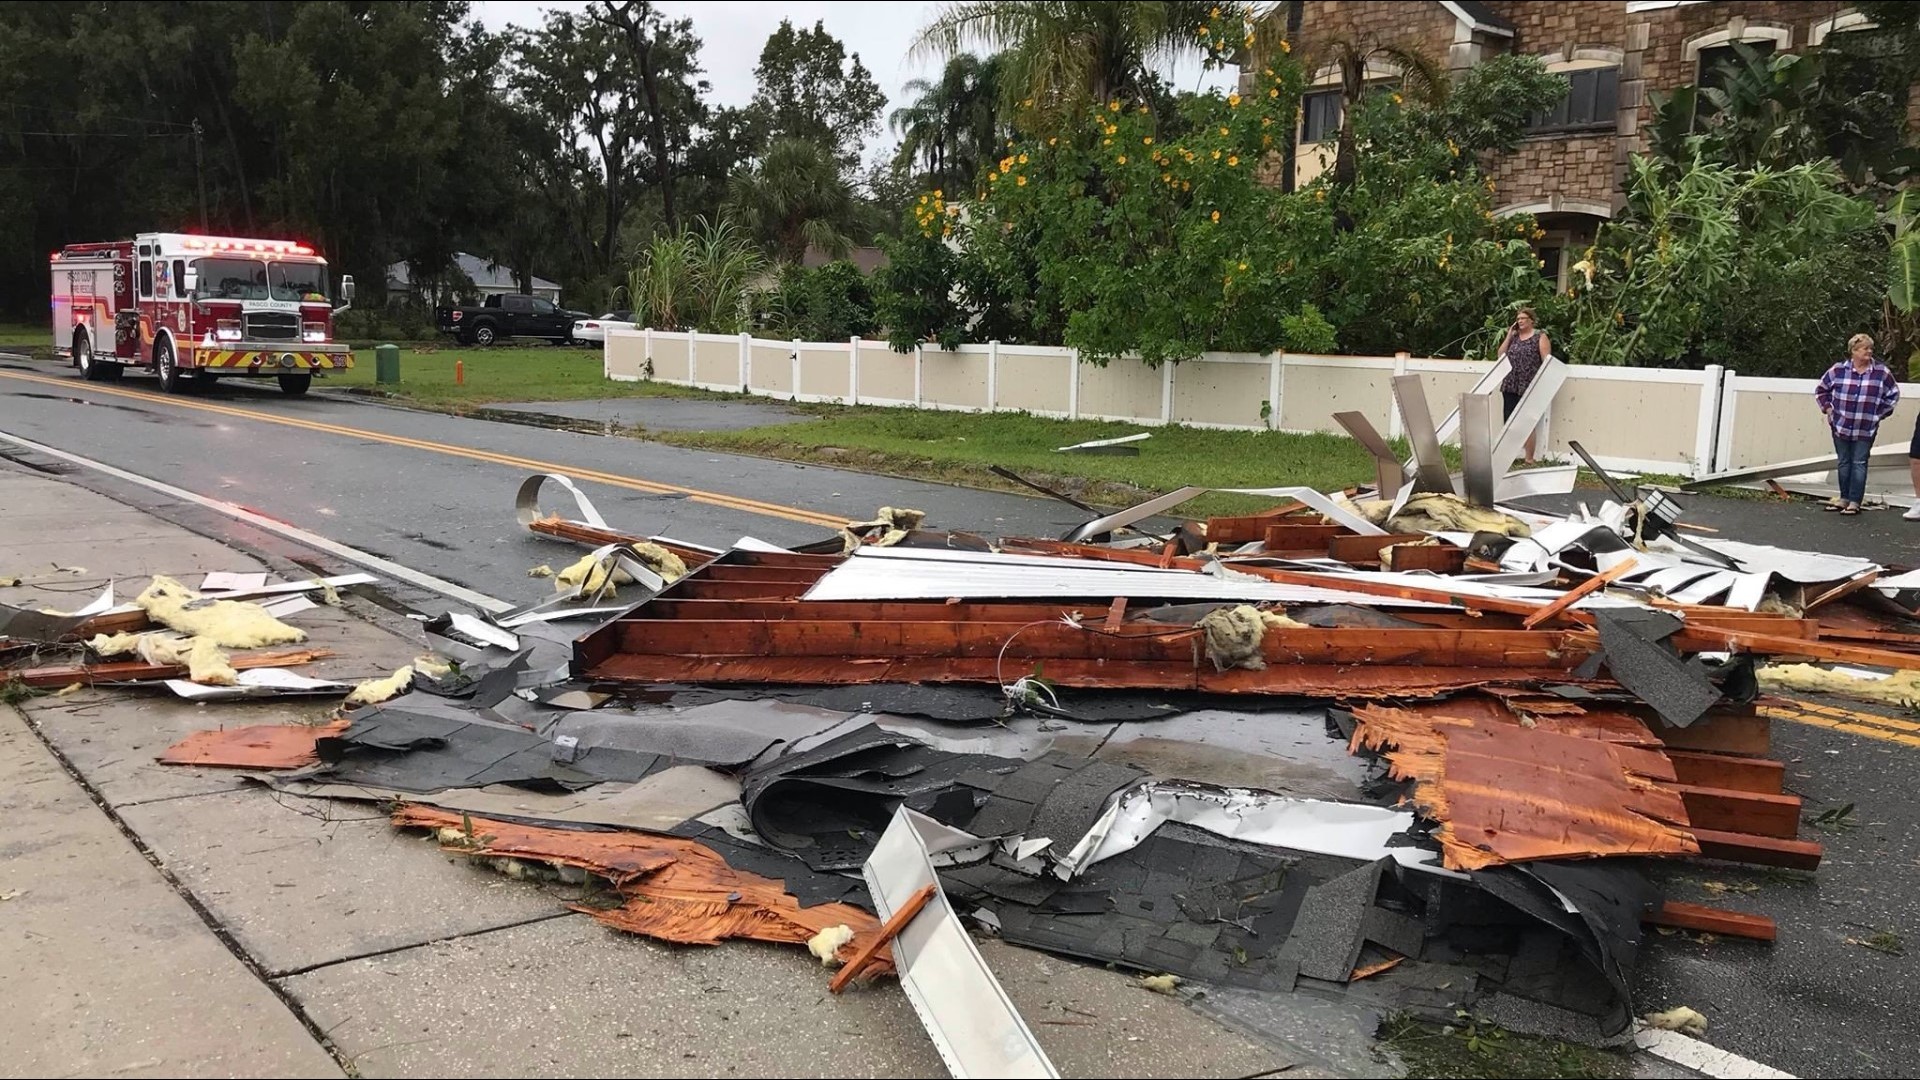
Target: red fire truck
[(198, 308)]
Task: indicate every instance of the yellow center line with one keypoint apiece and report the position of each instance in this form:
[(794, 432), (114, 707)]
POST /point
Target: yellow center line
[(1886, 728), (651, 487)]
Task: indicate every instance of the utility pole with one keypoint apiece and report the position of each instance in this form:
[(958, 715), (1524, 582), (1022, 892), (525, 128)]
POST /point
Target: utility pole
[(200, 175)]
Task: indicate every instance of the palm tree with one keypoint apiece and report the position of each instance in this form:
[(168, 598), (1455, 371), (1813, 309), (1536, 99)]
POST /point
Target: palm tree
[(794, 200), (1063, 54), (952, 126)]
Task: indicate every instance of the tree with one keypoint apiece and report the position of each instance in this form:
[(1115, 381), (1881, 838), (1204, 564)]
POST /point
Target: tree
[(697, 279), (1062, 56), (831, 303), (953, 125), (796, 198), (662, 54), (811, 89)]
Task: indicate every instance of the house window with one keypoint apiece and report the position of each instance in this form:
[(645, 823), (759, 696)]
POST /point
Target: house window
[(1592, 101), (1714, 61), (1322, 116)]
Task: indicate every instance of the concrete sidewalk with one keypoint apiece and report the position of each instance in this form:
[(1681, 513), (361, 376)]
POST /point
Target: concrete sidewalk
[(180, 922)]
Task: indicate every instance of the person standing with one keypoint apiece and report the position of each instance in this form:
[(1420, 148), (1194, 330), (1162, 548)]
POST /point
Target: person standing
[(1913, 466), (1526, 350), (1856, 394)]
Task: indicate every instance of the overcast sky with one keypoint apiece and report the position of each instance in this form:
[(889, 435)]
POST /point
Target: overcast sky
[(731, 34)]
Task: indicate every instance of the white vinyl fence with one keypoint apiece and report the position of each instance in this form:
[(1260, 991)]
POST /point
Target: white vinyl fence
[(1643, 419)]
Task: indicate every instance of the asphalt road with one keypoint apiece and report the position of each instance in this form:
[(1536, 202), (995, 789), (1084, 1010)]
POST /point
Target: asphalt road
[(436, 493)]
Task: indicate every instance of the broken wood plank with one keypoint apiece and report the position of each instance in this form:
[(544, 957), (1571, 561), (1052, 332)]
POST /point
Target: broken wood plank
[(1741, 811), (1723, 730), (1712, 920), (1574, 595), (1845, 588), (1362, 549), (1117, 614), (1435, 558), (1762, 775), (127, 671), (1291, 537), (1712, 639), (1759, 850), (888, 931)]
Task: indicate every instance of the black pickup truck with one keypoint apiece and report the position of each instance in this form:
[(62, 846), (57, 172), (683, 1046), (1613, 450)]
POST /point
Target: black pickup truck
[(508, 315)]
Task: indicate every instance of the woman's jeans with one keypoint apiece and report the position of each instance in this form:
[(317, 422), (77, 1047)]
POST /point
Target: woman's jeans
[(1853, 468)]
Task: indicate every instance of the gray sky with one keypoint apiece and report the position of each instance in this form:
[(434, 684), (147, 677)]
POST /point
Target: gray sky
[(732, 32)]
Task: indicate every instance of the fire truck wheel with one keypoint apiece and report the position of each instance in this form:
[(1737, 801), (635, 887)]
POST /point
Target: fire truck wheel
[(483, 334), (91, 369), (295, 385), (172, 380)]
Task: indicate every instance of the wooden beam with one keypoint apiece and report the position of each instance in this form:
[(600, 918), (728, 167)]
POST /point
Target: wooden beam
[(1845, 588), (61, 675), (1710, 639), (898, 922), (1712, 920), (1117, 614), (1724, 731), (1762, 775), (1292, 537), (1728, 810), (1354, 548), (1574, 595), (1759, 850)]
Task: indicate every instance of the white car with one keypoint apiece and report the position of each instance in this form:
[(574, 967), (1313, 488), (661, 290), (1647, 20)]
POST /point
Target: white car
[(594, 331)]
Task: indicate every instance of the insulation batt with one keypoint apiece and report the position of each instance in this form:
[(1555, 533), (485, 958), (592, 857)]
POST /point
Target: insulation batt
[(590, 574), (1681, 1019), (375, 691), (827, 943), (1900, 689), (1440, 512), (897, 521), (204, 660), (1234, 635), (232, 624)]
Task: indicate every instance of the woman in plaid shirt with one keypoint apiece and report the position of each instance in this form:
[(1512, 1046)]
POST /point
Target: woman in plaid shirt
[(1856, 394)]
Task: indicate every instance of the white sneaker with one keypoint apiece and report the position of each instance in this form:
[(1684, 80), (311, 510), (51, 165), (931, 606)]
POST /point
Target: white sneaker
[(1913, 513)]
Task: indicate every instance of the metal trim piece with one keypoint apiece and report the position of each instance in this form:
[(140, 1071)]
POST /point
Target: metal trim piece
[(1476, 448), (527, 502), (967, 1014), (1430, 465)]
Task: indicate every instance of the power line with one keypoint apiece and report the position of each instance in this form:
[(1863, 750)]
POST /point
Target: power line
[(98, 116), (105, 134)]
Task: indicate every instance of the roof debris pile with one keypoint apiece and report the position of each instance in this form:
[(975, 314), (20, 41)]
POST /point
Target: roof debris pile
[(853, 743)]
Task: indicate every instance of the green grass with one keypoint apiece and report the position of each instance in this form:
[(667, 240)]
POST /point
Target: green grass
[(959, 448), (23, 336), (1470, 1048), (501, 373)]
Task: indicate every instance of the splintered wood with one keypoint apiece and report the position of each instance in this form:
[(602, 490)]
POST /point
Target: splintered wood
[(674, 889), (1519, 793)]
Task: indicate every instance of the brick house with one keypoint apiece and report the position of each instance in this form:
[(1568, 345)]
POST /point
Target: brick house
[(1615, 53)]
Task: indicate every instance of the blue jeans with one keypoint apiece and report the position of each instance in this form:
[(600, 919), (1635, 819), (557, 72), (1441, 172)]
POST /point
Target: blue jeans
[(1853, 468)]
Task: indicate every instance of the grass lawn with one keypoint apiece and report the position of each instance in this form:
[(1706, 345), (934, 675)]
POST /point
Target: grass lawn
[(959, 448), (19, 337), (501, 373)]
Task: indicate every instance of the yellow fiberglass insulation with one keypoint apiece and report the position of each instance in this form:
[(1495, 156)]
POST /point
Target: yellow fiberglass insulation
[(204, 661), (233, 624), (1234, 634), (1443, 512), (590, 574), (114, 644), (897, 521), (374, 691), (1900, 689)]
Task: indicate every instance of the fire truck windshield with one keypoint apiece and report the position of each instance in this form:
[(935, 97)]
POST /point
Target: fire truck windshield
[(231, 279), (298, 281), (251, 279)]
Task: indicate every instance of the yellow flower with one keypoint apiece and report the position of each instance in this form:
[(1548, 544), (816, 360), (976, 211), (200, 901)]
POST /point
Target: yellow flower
[(1286, 46), (1454, 147), (1052, 139), (1224, 130), (1397, 99), (1266, 121), (993, 178), (1233, 161), (1122, 159), (1243, 266), (946, 230), (1113, 106), (1027, 104), (1320, 195), (1214, 14), (1266, 140), (1146, 140), (1216, 217), (1216, 155), (1201, 30), (1274, 93), (1186, 185), (1006, 163), (923, 200), (1226, 279), (1106, 142), (1023, 159), (1269, 72), (1020, 181), (1233, 102), (1166, 177), (1249, 41), (938, 194)]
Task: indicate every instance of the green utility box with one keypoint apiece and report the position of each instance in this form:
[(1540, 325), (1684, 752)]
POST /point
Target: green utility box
[(386, 363)]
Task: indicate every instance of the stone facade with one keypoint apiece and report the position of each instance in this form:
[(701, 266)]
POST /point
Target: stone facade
[(1541, 169)]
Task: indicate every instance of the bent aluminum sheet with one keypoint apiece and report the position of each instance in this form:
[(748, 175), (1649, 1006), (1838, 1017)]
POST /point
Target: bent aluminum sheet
[(972, 1022), (1316, 500), (527, 501), (1347, 830), (259, 682), (936, 574)]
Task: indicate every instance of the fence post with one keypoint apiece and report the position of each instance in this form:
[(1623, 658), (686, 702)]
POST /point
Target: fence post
[(993, 374), (693, 358), (1166, 393), (646, 361), (853, 370), (1706, 436), (746, 363), (1724, 422), (795, 361), (918, 358), (1073, 384), (1275, 361)]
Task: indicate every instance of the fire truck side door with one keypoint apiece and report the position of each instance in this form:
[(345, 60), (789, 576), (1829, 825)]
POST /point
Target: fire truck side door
[(149, 311)]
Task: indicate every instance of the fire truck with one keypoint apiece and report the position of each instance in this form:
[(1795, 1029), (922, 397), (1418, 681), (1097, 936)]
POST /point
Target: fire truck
[(193, 309)]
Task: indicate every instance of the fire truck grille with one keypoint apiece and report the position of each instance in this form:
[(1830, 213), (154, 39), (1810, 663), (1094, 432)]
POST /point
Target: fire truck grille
[(272, 326)]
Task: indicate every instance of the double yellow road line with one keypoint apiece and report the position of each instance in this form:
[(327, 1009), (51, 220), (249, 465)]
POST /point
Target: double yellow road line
[(1851, 721), (650, 487)]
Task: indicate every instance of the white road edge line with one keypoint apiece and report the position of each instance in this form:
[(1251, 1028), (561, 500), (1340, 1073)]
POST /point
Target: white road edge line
[(1691, 1053), (280, 528)]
